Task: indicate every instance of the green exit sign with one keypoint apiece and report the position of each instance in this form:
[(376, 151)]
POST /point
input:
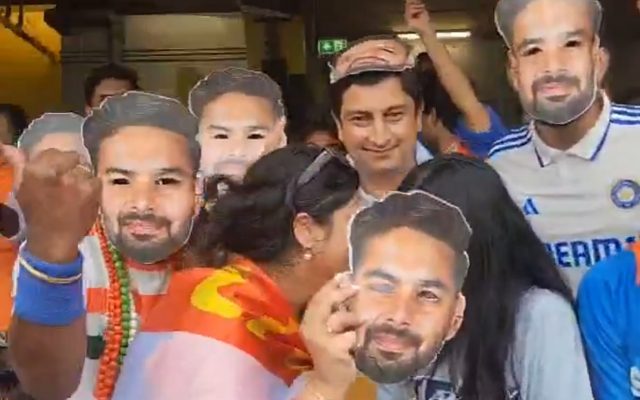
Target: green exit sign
[(331, 46)]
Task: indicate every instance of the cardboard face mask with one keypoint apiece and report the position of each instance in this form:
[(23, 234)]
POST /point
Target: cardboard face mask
[(372, 55), (408, 257)]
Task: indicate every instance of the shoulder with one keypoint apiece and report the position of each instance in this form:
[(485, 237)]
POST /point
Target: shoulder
[(542, 303), (515, 140), (612, 273), (625, 115)]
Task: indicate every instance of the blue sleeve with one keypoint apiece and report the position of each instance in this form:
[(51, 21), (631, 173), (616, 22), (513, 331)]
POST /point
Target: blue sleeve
[(480, 143), (602, 320)]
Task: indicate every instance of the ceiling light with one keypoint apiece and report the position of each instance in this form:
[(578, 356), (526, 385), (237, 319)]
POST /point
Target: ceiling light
[(439, 34)]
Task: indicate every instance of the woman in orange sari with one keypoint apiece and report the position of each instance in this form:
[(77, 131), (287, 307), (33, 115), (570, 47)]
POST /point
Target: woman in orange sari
[(232, 332)]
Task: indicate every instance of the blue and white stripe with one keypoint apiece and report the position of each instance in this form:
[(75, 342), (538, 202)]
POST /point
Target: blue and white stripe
[(518, 138), (625, 114)]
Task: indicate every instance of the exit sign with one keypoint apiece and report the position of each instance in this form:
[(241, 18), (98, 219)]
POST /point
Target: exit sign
[(331, 46)]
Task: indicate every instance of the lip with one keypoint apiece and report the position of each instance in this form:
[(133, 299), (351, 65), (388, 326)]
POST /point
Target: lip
[(142, 228), (380, 151), (390, 343), (554, 89)]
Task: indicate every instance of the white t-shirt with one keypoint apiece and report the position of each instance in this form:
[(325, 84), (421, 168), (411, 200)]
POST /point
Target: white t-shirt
[(584, 203)]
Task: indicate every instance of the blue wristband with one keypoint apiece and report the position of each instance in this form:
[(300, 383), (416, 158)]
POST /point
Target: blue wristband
[(45, 303)]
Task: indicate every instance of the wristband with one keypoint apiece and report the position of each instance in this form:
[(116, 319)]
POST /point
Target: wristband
[(41, 302)]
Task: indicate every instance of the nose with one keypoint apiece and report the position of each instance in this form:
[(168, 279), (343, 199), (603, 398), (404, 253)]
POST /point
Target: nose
[(554, 61), (380, 136), (142, 196), (237, 145), (401, 312)]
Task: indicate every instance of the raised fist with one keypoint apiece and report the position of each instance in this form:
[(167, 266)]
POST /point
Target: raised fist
[(416, 15), (59, 197), (14, 157)]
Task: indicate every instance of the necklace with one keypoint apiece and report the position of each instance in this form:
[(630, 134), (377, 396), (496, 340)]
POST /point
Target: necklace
[(121, 319)]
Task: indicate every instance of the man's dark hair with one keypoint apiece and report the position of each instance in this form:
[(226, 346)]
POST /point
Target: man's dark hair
[(236, 80), (254, 219), (508, 10), (507, 261), (140, 109), (317, 119), (408, 78), (435, 96), (418, 211), (17, 118), (108, 71)]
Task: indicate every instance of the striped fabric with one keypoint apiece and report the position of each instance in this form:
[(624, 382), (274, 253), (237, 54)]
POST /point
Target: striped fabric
[(223, 334)]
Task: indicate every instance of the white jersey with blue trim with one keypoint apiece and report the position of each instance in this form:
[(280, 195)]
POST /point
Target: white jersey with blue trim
[(584, 202)]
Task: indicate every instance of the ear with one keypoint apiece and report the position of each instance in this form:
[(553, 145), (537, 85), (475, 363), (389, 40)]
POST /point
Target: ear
[(280, 130), (512, 70), (336, 119), (87, 110), (602, 62), (458, 317), (307, 231)]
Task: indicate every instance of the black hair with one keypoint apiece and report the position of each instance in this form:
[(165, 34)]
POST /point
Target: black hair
[(252, 218), (236, 80), (140, 109), (318, 119), (434, 95), (506, 260), (17, 118), (108, 71), (508, 10), (417, 211), (408, 79)]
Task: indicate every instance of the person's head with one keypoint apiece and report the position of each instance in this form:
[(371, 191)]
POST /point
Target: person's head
[(554, 55), (144, 149), (60, 131), (13, 120), (379, 114), (289, 215), (319, 129), (506, 260), (408, 255), (242, 117), (105, 81)]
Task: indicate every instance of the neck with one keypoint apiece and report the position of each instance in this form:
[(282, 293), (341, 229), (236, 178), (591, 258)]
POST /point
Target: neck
[(379, 184), (563, 137), (291, 285)]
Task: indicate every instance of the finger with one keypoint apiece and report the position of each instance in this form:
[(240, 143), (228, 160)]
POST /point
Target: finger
[(56, 162), (343, 321)]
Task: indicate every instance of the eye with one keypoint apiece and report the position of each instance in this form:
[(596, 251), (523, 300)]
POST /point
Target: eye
[(532, 51), (380, 287), (119, 181), (428, 296), (221, 136), (395, 116), (573, 44), (256, 136), (167, 181)]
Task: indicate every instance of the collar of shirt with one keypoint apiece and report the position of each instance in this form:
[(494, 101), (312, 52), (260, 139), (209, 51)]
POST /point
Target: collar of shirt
[(587, 148)]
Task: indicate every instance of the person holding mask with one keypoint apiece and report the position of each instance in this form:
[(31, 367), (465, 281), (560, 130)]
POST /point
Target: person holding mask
[(455, 121), (520, 337), (81, 292), (573, 170), (275, 240)]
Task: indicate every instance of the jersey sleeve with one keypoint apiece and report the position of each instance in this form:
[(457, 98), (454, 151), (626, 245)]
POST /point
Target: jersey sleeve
[(480, 143), (602, 328), (549, 361)]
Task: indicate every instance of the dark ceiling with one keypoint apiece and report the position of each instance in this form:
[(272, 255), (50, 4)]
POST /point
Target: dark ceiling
[(346, 18)]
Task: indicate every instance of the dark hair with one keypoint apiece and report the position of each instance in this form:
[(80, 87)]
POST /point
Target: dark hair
[(417, 211), (108, 71), (318, 119), (434, 95), (507, 259), (16, 116), (508, 10), (252, 219), (236, 80), (140, 109), (408, 79)]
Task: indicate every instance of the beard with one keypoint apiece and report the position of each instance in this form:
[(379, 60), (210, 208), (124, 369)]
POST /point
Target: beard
[(147, 249), (561, 110), (388, 368)]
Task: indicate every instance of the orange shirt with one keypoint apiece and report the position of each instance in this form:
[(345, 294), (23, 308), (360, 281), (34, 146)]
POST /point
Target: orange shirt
[(8, 253)]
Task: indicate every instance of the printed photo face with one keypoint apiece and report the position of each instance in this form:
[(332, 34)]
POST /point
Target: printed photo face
[(555, 60), (236, 130), (386, 54)]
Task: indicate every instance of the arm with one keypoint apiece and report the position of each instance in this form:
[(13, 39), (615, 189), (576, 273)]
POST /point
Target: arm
[(548, 360), (602, 331), (451, 76), (48, 333)]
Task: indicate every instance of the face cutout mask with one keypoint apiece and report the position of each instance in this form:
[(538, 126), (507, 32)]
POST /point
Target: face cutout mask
[(409, 280), (372, 55)]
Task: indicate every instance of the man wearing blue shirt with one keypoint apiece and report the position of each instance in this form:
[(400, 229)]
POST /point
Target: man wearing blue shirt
[(609, 314)]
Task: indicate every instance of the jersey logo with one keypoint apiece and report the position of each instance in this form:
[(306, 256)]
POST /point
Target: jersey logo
[(529, 208), (626, 194)]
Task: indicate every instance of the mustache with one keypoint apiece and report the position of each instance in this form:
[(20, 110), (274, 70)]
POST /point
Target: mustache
[(560, 78), (128, 218), (405, 334)]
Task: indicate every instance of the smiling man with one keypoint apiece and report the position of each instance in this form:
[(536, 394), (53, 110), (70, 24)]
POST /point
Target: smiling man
[(574, 168), (408, 254), (242, 118), (79, 298)]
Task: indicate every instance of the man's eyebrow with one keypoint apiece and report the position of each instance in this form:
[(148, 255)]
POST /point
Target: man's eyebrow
[(528, 42), (381, 274), (218, 128), (119, 171), (433, 284)]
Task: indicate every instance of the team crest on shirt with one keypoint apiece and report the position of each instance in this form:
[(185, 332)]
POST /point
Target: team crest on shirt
[(626, 194)]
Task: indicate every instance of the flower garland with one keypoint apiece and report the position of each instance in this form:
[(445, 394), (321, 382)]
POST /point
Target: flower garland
[(122, 320)]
